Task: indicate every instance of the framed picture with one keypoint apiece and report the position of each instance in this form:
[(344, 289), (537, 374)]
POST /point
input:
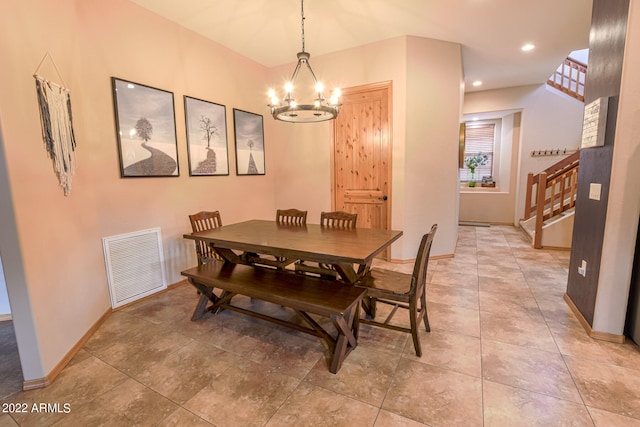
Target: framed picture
[(249, 134), (146, 130), (206, 124)]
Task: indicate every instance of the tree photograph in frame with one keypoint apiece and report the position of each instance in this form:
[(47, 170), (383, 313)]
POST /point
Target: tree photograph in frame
[(146, 130), (206, 124), (249, 136)]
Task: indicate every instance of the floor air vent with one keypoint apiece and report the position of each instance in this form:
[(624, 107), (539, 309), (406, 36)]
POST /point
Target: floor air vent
[(135, 265)]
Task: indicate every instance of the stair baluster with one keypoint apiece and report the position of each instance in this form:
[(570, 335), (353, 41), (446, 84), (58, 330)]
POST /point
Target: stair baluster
[(555, 192)]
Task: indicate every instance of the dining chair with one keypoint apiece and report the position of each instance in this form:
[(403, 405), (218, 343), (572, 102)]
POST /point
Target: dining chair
[(291, 217), (400, 291), (205, 220), (338, 219)]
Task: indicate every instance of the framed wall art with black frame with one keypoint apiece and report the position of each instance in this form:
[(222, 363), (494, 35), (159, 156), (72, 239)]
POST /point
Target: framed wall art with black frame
[(249, 136), (206, 124), (146, 130)]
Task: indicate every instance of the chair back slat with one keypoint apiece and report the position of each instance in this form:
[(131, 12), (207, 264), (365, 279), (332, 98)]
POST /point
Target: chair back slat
[(202, 221), (205, 221), (291, 217), (339, 219), (419, 275)]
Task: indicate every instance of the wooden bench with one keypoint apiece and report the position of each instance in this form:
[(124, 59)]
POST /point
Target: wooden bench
[(305, 295)]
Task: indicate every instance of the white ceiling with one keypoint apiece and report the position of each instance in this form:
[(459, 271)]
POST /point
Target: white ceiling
[(491, 32)]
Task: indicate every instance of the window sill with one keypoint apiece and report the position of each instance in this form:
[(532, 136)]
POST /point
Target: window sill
[(464, 188)]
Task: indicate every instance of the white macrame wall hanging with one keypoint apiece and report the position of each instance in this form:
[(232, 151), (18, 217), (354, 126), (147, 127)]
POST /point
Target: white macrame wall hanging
[(57, 128)]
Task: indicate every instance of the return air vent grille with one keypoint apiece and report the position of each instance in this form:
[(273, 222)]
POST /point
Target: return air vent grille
[(135, 265)]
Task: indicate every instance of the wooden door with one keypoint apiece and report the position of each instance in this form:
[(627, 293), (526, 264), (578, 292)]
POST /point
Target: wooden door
[(361, 163)]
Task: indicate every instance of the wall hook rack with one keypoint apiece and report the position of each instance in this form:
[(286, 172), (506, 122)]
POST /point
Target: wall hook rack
[(553, 152)]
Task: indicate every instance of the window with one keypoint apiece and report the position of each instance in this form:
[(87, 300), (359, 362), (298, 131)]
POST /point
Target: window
[(479, 138)]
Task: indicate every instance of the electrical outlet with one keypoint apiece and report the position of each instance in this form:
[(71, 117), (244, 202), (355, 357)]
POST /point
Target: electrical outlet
[(582, 270), (594, 191)]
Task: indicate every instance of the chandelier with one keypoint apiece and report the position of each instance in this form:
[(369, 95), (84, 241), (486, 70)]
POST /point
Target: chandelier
[(289, 110)]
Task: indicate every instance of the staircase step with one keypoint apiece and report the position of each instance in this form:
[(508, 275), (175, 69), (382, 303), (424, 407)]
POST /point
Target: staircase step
[(528, 226), (559, 217)]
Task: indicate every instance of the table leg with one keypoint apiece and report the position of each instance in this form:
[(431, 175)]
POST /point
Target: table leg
[(228, 255), (369, 307), (363, 269), (347, 272)]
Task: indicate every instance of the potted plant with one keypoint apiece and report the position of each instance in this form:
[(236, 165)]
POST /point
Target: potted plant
[(472, 162)]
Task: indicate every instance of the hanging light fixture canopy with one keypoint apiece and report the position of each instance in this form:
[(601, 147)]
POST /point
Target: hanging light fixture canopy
[(289, 110)]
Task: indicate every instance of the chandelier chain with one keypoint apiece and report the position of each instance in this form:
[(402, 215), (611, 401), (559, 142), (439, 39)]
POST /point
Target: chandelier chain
[(288, 109), (302, 14)]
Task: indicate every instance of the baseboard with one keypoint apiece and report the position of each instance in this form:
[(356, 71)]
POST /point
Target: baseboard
[(37, 383), (43, 382), (556, 248), (401, 261), (445, 256), (180, 283), (473, 224), (577, 313), (603, 336), (485, 223)]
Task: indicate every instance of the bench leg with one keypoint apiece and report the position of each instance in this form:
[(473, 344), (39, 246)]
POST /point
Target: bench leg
[(207, 295), (225, 298), (347, 338), (201, 307)]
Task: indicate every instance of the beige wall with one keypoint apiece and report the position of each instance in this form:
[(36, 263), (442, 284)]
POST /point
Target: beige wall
[(55, 261), (434, 110), (52, 250), (549, 121), (496, 205), (427, 84), (304, 152)]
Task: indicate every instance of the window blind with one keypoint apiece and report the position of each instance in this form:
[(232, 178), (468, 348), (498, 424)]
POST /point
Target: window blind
[(479, 139)]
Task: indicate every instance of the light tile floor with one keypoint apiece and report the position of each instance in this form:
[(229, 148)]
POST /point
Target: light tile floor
[(504, 351)]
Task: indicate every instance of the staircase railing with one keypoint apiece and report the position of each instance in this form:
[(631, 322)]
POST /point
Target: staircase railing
[(551, 192), (569, 78)]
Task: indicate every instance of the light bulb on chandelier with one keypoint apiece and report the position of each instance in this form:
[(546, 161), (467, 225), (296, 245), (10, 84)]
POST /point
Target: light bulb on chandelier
[(288, 110)]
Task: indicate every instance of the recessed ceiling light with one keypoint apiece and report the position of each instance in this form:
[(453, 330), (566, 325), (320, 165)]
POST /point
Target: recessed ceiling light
[(527, 47), (477, 83)]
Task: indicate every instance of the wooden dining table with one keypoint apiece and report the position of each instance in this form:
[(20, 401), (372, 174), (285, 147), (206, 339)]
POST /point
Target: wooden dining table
[(258, 242)]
